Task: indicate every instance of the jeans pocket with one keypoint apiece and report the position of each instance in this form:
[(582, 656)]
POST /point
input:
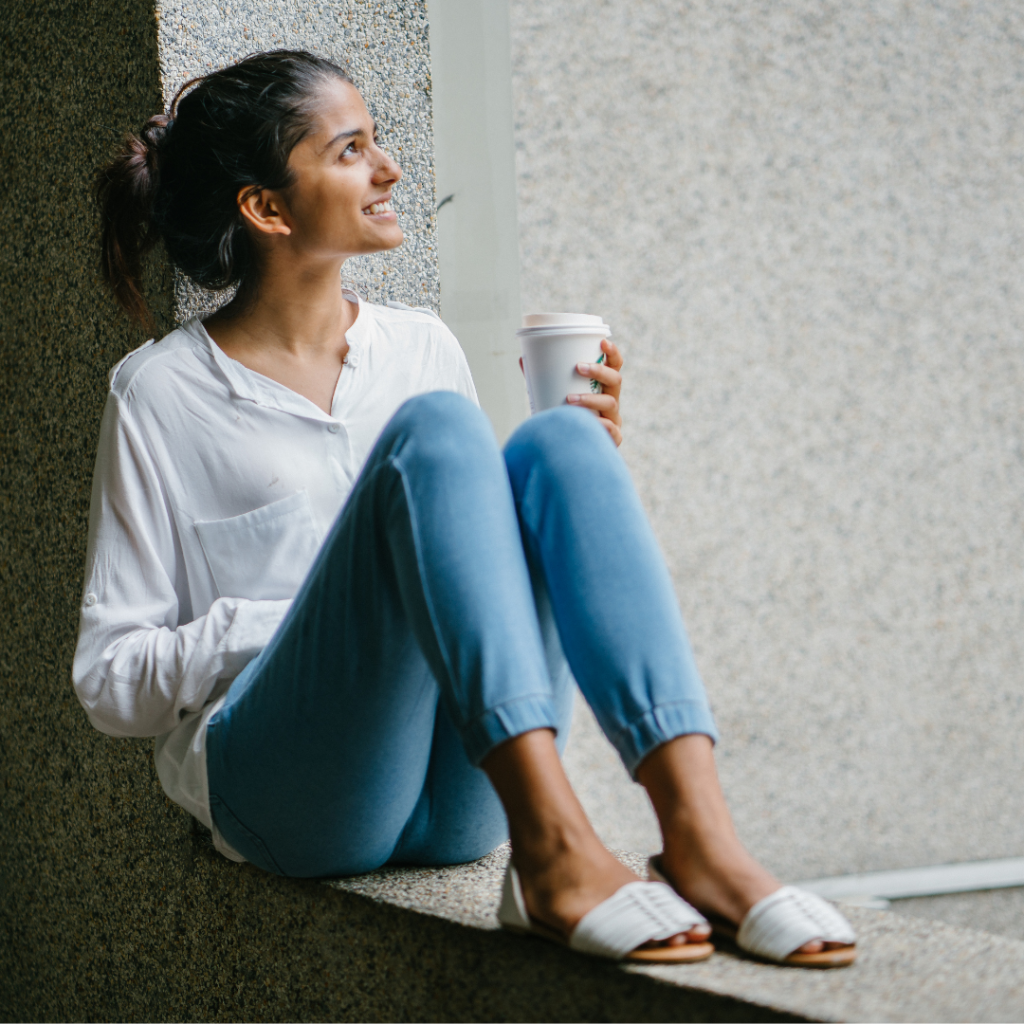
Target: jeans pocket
[(246, 842)]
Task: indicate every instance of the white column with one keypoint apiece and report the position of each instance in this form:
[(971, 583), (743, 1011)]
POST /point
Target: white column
[(474, 166)]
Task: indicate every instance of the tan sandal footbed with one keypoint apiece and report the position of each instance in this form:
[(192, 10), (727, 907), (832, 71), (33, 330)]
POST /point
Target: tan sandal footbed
[(688, 953), (826, 959)]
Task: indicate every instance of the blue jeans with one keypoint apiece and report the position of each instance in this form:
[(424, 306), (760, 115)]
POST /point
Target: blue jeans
[(431, 627)]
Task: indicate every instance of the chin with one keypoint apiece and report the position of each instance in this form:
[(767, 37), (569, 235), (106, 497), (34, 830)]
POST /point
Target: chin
[(380, 241), (395, 239)]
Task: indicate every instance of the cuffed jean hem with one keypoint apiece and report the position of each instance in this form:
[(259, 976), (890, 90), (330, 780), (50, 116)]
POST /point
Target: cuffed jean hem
[(662, 723), (506, 720)]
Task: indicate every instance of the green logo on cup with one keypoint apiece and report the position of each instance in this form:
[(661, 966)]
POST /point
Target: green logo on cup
[(595, 386)]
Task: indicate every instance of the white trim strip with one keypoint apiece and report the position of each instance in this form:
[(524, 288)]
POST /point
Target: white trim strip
[(937, 880)]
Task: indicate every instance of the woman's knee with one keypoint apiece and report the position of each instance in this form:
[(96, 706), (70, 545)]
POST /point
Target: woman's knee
[(441, 427), (563, 440), (441, 413)]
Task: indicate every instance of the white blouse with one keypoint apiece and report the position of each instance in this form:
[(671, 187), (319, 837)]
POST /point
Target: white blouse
[(213, 489)]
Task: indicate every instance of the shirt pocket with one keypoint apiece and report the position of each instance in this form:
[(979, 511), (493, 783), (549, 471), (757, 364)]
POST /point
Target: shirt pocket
[(263, 555)]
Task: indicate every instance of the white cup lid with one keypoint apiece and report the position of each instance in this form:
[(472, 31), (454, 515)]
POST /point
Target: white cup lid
[(562, 320)]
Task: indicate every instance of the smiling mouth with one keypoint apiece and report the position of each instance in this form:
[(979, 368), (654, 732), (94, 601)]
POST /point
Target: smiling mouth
[(375, 208)]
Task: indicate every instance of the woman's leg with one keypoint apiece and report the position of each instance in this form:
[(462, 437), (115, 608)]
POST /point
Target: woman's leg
[(329, 753), (458, 816), (611, 593), (587, 536), (624, 637)]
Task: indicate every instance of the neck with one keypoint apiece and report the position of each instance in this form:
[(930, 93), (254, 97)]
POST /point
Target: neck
[(294, 309)]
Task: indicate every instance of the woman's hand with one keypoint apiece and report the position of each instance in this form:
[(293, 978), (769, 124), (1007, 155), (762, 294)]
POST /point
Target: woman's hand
[(606, 405)]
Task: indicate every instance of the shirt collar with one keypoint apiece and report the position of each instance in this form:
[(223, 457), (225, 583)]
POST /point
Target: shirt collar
[(250, 386)]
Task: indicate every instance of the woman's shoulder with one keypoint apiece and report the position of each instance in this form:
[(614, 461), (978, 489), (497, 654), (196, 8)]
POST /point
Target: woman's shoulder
[(419, 347), (152, 367), (415, 317), (417, 327)]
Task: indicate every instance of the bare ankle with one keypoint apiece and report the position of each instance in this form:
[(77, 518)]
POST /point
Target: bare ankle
[(535, 848)]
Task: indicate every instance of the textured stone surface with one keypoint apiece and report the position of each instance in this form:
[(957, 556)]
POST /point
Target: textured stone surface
[(112, 906), (999, 911), (804, 223), (907, 969), (72, 802), (107, 909), (186, 935)]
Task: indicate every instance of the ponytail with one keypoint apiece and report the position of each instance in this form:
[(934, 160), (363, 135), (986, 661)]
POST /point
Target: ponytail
[(179, 179), (126, 189)]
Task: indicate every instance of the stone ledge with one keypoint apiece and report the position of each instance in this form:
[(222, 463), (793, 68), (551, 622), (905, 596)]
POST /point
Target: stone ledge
[(908, 969), (191, 936)]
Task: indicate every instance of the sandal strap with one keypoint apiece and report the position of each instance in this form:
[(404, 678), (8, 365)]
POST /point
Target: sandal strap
[(781, 923), (639, 912), (512, 912)]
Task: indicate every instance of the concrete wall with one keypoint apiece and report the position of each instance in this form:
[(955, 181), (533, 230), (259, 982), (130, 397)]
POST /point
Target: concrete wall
[(110, 906), (477, 230), (804, 221)]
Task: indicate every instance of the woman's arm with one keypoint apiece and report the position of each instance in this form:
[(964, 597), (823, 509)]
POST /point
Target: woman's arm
[(137, 670)]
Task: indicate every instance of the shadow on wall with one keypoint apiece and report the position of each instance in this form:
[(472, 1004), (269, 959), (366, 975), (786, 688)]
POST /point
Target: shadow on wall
[(110, 905)]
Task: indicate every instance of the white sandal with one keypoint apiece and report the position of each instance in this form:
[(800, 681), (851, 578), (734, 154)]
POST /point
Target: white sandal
[(639, 912), (777, 926)]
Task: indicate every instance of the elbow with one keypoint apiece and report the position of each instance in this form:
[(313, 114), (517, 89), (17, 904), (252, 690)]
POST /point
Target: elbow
[(116, 717), (107, 721)]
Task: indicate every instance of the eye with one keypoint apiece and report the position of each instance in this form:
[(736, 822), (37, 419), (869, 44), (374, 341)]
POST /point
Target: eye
[(350, 149)]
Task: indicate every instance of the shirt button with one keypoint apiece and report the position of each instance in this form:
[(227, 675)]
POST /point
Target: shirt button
[(334, 428), (90, 600)]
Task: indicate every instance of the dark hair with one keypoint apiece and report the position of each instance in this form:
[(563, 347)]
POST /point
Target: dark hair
[(179, 179)]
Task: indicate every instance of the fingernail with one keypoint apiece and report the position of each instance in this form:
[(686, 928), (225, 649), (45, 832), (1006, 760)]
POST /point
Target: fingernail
[(572, 399), (582, 367)]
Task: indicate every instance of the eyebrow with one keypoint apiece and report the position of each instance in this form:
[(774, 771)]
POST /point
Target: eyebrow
[(351, 134)]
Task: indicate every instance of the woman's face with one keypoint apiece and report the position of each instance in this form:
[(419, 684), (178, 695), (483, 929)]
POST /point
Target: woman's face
[(339, 204)]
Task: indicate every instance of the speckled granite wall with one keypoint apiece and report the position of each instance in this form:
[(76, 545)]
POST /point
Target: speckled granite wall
[(110, 907), (805, 222)]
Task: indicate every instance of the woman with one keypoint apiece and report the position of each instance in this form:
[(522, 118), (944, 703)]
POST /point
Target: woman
[(315, 579)]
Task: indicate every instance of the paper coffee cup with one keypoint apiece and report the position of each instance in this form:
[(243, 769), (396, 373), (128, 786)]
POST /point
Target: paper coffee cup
[(553, 343)]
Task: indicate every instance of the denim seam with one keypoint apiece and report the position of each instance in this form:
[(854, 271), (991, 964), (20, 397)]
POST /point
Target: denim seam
[(539, 694), (493, 714), (413, 527), (654, 707), (250, 835)]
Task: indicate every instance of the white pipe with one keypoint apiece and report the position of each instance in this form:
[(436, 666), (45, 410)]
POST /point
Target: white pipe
[(936, 880)]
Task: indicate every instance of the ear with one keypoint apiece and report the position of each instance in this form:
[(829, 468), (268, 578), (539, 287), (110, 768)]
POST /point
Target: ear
[(264, 211)]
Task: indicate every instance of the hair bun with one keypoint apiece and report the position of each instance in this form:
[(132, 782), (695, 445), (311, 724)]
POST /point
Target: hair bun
[(126, 189), (154, 132)]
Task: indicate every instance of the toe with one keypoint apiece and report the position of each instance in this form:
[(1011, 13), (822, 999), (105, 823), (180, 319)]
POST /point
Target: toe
[(699, 933), (812, 947)]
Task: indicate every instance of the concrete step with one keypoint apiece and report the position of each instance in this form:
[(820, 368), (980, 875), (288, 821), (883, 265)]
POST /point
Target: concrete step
[(908, 969)]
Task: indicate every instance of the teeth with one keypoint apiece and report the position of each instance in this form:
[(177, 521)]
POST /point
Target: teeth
[(379, 208)]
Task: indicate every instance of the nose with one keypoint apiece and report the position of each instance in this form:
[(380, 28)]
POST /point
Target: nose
[(387, 170)]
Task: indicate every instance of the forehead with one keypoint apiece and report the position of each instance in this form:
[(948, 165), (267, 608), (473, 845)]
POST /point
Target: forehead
[(338, 107)]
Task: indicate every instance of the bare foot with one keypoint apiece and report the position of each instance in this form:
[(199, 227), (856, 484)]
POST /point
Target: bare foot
[(563, 868), (561, 887), (703, 858)]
